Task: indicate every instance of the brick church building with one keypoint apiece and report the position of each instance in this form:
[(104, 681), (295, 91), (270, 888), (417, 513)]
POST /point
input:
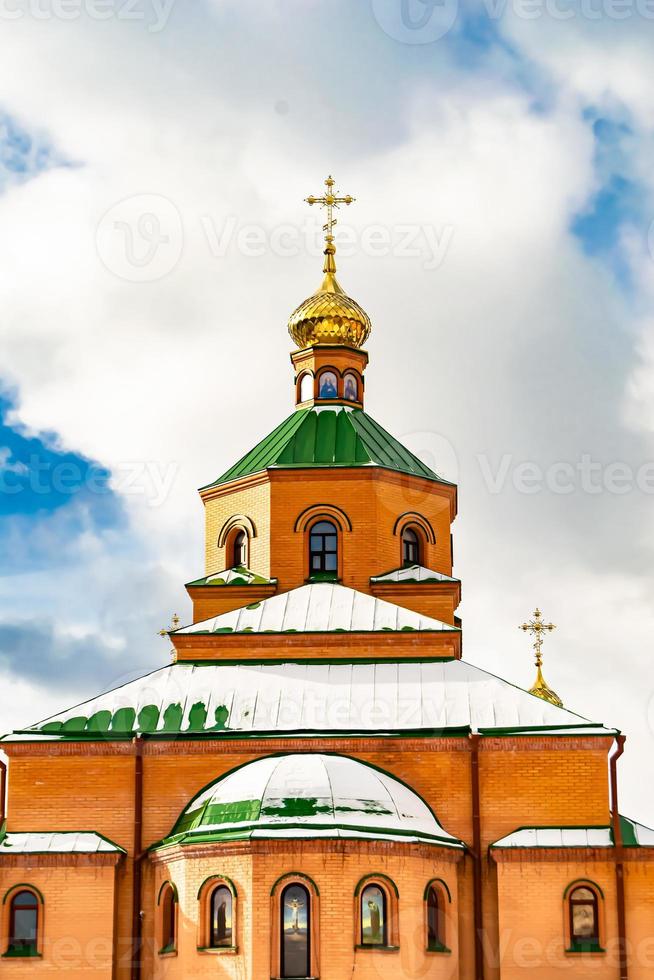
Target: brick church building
[(319, 785)]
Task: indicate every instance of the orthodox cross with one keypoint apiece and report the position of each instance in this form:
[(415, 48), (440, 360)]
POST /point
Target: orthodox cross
[(538, 628), (329, 200), (174, 623)]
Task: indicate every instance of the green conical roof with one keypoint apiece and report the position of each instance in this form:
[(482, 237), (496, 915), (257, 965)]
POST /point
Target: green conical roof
[(328, 437)]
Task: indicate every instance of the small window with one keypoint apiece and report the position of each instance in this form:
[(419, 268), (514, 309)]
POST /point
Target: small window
[(295, 929), (410, 547), (327, 385), (435, 920), (323, 549), (221, 932), (373, 917), (351, 387), (240, 550), (23, 924), (584, 920), (306, 387), (168, 921)]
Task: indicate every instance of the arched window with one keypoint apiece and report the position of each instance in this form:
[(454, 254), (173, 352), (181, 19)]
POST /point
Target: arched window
[(295, 939), (221, 931), (323, 549), (351, 387), (306, 387), (584, 919), (327, 385), (374, 925), (410, 547), (168, 919), (239, 555), (23, 923), (435, 919)]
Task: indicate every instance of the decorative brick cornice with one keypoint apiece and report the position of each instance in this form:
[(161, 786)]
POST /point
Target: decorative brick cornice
[(60, 860), (563, 855)]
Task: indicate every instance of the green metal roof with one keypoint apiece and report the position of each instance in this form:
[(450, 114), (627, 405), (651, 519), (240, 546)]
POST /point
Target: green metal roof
[(320, 436), (308, 795)]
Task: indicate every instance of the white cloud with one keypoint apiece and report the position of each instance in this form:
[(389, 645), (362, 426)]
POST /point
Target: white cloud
[(517, 343)]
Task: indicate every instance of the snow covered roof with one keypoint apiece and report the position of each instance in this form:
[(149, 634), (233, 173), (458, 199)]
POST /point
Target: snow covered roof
[(269, 698), (308, 795), (557, 837), (57, 842), (633, 835), (412, 574), (233, 576), (320, 607)]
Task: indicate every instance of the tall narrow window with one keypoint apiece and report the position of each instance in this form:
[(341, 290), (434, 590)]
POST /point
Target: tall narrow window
[(435, 920), (240, 550), (323, 549), (295, 932), (23, 924), (374, 928), (168, 921), (410, 547), (221, 932), (327, 385), (584, 920), (306, 387)]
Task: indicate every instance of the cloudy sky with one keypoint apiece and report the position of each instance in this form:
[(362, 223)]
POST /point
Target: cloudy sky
[(153, 240)]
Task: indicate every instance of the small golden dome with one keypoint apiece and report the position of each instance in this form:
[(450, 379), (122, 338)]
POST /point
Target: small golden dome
[(329, 317)]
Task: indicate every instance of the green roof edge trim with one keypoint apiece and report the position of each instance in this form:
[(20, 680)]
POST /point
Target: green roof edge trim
[(245, 833)]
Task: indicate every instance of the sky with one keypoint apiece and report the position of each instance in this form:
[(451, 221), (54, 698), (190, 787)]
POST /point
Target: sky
[(153, 242)]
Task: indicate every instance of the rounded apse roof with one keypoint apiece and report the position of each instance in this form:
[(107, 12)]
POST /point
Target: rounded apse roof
[(308, 795)]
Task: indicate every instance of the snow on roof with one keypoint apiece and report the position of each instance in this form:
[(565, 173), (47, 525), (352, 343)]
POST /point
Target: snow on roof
[(233, 576), (633, 835), (320, 607), (57, 842), (273, 697), (557, 837), (309, 794), (412, 573)]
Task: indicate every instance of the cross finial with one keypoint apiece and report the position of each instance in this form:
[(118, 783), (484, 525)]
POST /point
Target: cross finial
[(174, 623), (538, 628), (329, 200)]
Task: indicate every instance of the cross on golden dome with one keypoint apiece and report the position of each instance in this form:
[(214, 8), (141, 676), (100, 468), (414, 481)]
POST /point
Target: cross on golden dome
[(330, 201), (538, 629), (329, 316)]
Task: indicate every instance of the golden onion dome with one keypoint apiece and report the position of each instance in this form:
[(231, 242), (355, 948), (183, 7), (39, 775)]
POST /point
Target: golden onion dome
[(329, 316)]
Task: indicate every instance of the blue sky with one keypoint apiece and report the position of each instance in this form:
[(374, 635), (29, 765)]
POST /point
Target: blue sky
[(523, 145)]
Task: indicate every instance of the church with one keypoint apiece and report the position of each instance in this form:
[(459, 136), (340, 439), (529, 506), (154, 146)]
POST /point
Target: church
[(319, 785)]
